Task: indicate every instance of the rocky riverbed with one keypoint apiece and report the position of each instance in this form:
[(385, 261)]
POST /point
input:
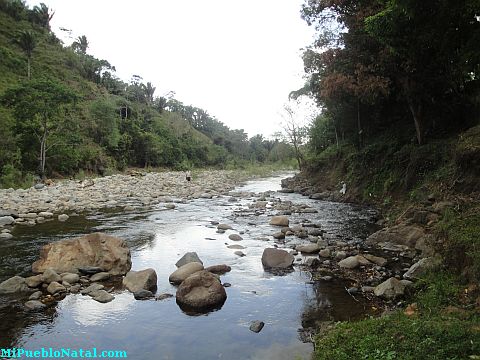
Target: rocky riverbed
[(295, 262)]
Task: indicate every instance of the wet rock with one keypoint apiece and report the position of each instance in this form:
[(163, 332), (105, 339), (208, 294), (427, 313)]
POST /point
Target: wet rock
[(14, 285), (240, 253), (279, 221), (101, 276), (169, 206), (101, 296), (34, 281), (183, 272), (201, 290), (189, 257), (350, 262), (92, 288), (55, 287), (89, 270), (277, 258), (401, 234), (70, 278), (315, 232), (107, 252), (219, 269), (45, 214), (163, 297), (75, 289), (312, 262), (279, 235), (340, 255), (236, 247), (257, 326), (144, 279), (235, 237), (308, 249), (6, 220), (50, 275), (36, 295), (390, 289), (224, 227), (6, 236), (34, 305), (143, 295)]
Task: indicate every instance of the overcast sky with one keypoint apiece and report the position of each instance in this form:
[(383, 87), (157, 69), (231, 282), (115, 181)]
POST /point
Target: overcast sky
[(236, 59)]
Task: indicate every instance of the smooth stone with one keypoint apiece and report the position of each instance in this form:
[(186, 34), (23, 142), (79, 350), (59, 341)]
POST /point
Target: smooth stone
[(163, 297), (101, 296), (55, 287), (224, 227), (6, 236), (183, 272), (390, 288), (6, 220), (34, 281), (92, 288), (202, 290), (324, 253), (279, 235), (277, 258), (308, 249), (101, 276), (235, 237), (33, 305), (236, 247), (70, 278), (144, 279), (189, 257), (219, 269), (13, 285), (90, 270), (340, 255), (143, 295), (256, 326), (75, 289), (239, 253), (50, 275), (36, 295), (380, 261), (279, 221), (63, 217)]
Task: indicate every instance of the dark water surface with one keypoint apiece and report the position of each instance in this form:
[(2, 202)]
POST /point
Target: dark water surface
[(160, 329)]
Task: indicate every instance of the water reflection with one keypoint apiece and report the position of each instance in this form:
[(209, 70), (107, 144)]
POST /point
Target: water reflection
[(159, 329)]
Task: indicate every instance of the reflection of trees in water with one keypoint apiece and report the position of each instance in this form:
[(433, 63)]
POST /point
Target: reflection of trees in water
[(15, 320)]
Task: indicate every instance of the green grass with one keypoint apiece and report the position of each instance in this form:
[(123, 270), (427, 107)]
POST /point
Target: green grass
[(431, 334)]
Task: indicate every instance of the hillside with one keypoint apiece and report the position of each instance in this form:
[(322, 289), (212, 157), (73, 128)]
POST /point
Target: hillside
[(64, 112)]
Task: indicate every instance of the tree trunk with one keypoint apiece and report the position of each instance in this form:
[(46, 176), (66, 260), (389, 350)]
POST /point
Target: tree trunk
[(29, 74), (43, 152), (359, 125), (416, 110)]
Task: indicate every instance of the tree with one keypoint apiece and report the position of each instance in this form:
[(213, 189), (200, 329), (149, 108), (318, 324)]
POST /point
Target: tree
[(80, 45), (296, 134), (40, 108), (27, 42), (42, 15)]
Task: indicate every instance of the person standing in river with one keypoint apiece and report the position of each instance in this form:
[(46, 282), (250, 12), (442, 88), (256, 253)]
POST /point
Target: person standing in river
[(188, 176)]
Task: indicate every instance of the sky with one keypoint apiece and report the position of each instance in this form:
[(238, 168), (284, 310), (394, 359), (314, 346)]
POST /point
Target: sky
[(238, 60)]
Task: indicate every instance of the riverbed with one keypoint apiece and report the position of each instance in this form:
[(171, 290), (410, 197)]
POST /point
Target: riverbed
[(289, 303)]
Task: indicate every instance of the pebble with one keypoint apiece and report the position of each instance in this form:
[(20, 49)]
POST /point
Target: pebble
[(257, 326)]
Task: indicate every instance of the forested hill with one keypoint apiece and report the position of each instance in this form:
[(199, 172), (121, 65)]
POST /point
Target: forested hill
[(63, 111)]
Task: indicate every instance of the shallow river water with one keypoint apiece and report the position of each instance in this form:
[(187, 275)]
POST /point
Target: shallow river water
[(160, 329)]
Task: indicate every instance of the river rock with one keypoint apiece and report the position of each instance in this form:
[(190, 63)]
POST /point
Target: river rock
[(279, 235), (163, 297), (13, 285), (277, 258), (219, 269), (71, 278), (143, 279), (6, 220), (63, 217), (257, 326), (90, 270), (419, 268), (110, 253), (101, 276), (340, 255), (324, 253), (240, 253), (279, 220), (380, 261), (36, 295), (390, 288), (224, 227), (101, 296), (50, 275), (201, 290), (184, 272), (401, 234), (92, 288), (308, 249), (34, 305), (34, 281), (6, 236), (350, 262), (45, 214), (55, 287), (236, 247), (235, 237), (143, 295), (189, 257)]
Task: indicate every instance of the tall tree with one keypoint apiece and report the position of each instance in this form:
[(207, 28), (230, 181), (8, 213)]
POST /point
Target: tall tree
[(42, 15), (80, 44), (40, 108), (27, 42)]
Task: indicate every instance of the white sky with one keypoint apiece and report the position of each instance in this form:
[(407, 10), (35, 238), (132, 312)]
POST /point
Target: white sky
[(236, 59)]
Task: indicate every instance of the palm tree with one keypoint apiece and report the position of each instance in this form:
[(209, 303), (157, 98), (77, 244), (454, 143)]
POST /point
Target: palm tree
[(27, 42), (42, 15), (149, 91), (81, 44)]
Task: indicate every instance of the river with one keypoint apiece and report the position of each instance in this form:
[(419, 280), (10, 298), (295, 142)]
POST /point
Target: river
[(289, 304)]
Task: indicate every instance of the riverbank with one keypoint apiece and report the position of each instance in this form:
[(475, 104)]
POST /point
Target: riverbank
[(428, 197)]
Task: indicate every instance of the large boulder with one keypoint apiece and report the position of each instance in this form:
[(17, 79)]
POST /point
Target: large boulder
[(184, 272), (308, 248), (13, 285), (96, 250), (201, 291), (143, 279), (188, 258), (419, 268), (6, 220), (51, 275), (277, 258), (279, 221), (402, 234)]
